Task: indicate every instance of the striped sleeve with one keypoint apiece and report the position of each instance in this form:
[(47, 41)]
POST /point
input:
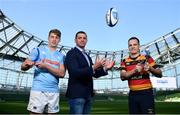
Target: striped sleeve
[(151, 62), (123, 66)]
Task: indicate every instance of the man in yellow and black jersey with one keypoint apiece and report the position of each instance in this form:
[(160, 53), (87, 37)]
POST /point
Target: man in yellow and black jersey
[(136, 69)]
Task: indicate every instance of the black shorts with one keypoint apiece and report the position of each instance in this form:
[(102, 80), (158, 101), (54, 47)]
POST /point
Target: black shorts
[(141, 102)]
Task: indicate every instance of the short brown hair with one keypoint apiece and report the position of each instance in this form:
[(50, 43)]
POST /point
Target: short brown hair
[(80, 32), (55, 31), (134, 38)]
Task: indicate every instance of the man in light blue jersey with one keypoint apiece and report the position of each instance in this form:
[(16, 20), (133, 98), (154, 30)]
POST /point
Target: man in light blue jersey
[(49, 67)]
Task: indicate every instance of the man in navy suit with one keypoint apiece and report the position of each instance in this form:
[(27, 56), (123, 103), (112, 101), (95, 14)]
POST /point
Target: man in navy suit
[(81, 70)]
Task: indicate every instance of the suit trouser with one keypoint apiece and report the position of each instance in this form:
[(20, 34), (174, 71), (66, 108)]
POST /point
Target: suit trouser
[(80, 105)]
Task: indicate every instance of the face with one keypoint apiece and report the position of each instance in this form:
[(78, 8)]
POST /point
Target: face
[(133, 47), (53, 40), (81, 40)]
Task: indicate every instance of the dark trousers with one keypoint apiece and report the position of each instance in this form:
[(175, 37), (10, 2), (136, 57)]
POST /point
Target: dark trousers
[(141, 102), (80, 105)]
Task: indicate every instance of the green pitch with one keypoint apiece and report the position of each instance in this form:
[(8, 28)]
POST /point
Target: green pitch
[(99, 107)]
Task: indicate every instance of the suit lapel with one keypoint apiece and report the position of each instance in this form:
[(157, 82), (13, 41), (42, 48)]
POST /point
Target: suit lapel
[(90, 60), (82, 57)]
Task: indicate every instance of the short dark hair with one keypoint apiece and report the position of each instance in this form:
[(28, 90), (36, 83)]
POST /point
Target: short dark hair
[(55, 31), (80, 32), (134, 38)]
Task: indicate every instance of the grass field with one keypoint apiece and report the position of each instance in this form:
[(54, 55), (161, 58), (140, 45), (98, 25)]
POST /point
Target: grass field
[(99, 107), (13, 102)]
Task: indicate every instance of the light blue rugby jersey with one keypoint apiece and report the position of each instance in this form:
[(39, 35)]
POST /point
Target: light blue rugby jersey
[(43, 80)]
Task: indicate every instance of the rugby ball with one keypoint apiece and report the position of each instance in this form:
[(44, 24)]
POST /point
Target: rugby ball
[(112, 17)]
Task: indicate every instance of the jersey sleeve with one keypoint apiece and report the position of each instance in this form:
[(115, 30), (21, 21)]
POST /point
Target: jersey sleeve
[(123, 65), (62, 59), (34, 55), (151, 62)]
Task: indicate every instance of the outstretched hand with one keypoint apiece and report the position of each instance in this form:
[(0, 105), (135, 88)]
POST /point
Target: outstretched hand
[(139, 67), (28, 63), (146, 67), (41, 65), (109, 64), (99, 63)]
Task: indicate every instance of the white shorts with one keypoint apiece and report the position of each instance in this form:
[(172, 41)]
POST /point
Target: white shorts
[(40, 102)]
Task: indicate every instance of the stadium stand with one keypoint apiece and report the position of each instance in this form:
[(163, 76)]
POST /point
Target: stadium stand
[(16, 44)]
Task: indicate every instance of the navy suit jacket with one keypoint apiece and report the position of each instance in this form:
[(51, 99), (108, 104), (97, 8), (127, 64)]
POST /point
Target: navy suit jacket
[(80, 82)]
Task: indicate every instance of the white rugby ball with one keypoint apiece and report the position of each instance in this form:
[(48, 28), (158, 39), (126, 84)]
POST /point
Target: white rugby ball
[(112, 17)]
